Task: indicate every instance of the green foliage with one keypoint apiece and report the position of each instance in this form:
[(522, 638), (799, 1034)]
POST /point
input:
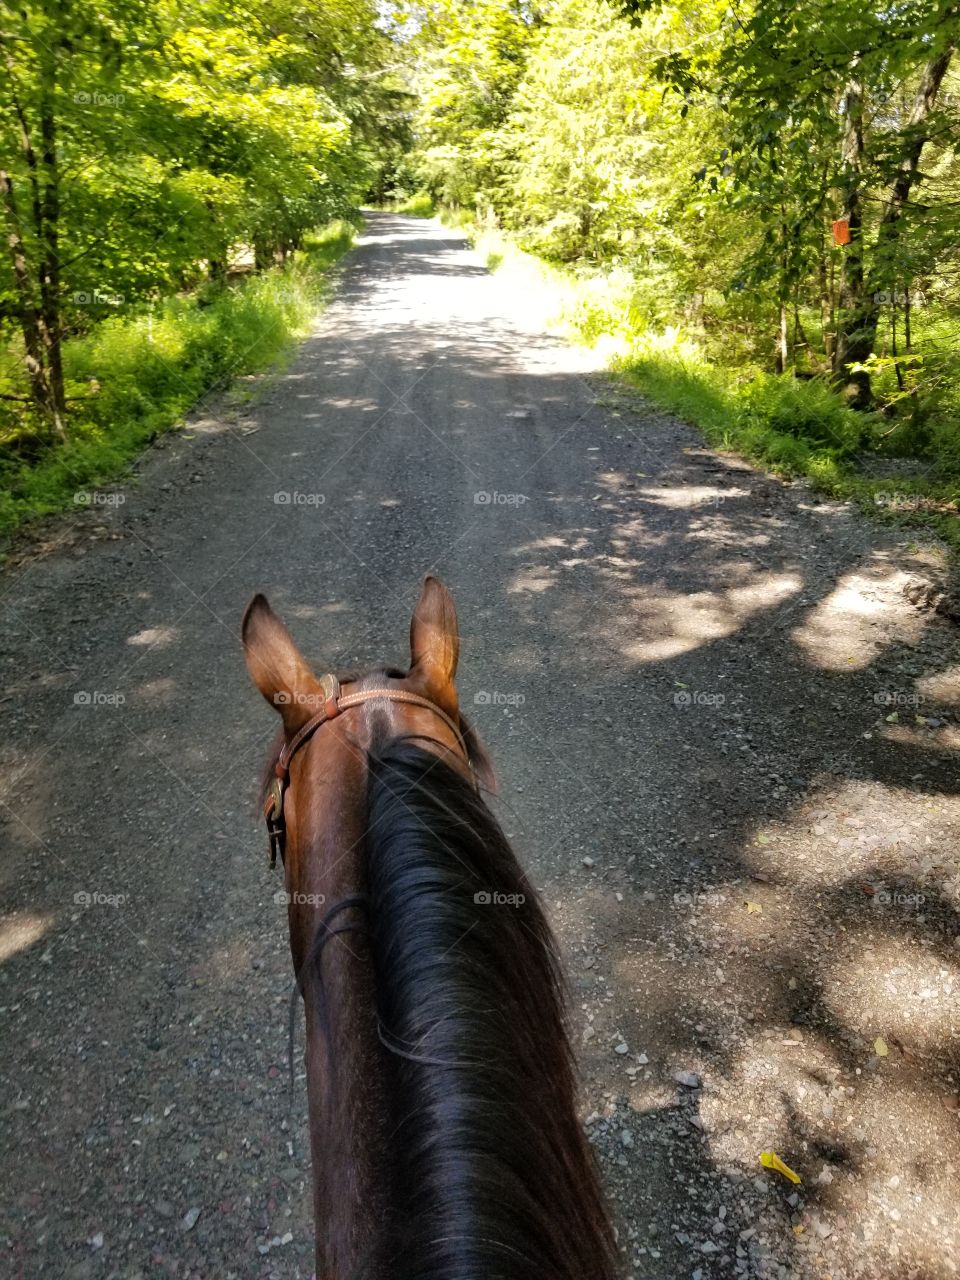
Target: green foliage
[(807, 410), (141, 374), (678, 174), (797, 427), (800, 429), (149, 147), (469, 60), (420, 205)]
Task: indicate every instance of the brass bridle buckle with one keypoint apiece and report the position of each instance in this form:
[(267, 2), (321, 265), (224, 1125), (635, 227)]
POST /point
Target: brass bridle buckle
[(273, 811)]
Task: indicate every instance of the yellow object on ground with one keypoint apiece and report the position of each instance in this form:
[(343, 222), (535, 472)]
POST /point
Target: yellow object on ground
[(770, 1160)]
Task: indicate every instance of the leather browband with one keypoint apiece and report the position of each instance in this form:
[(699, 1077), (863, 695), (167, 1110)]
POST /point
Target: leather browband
[(334, 702)]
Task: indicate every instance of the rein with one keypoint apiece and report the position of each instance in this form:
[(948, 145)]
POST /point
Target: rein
[(334, 703)]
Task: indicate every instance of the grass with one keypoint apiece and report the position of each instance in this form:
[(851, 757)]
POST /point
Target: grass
[(791, 426), (419, 205), (139, 375), (799, 428)]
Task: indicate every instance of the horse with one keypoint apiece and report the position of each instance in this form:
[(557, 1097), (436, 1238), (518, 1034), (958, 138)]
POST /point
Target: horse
[(441, 1087)]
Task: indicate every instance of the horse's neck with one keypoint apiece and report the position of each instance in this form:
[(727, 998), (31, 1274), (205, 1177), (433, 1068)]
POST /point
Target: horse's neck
[(347, 1114)]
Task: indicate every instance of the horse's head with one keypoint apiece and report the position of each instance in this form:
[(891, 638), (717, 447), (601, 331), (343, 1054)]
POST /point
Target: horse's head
[(440, 1082), (330, 725)]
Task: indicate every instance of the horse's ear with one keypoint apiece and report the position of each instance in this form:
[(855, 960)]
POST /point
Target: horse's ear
[(277, 667), (434, 637)]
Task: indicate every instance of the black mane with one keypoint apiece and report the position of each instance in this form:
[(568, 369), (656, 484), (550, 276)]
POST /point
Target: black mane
[(489, 1176)]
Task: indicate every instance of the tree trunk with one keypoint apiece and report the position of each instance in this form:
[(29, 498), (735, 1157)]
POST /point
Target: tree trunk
[(851, 335), (28, 313), (39, 303), (858, 327), (50, 267), (262, 254), (783, 341), (826, 305), (893, 344)]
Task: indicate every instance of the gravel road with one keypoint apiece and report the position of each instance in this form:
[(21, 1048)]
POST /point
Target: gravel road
[(727, 740)]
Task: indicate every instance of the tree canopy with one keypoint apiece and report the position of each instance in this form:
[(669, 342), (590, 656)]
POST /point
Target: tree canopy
[(787, 172)]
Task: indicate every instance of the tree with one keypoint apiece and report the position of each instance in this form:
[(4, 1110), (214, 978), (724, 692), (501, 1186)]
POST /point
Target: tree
[(148, 140)]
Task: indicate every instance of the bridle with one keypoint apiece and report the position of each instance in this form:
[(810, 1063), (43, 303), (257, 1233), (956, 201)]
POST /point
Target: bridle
[(334, 702)]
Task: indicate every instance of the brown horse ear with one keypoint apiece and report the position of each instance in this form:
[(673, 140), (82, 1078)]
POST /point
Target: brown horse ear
[(276, 666), (435, 638)]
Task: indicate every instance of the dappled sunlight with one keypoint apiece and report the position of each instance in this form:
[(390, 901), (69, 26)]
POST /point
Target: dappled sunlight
[(864, 859), (686, 496), (345, 402), (727, 535), (154, 637), (942, 686), (674, 623), (917, 734), (839, 632), (20, 930), (897, 991), (747, 841), (834, 1127), (229, 961), (536, 580), (161, 691)]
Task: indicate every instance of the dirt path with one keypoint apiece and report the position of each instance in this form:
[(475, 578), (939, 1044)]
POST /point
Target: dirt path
[(727, 745)]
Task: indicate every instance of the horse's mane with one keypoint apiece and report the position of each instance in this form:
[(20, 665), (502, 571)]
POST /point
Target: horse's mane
[(488, 1173)]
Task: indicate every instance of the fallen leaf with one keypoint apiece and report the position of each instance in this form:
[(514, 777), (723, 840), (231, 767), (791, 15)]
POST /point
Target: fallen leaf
[(770, 1160), (880, 1047)]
